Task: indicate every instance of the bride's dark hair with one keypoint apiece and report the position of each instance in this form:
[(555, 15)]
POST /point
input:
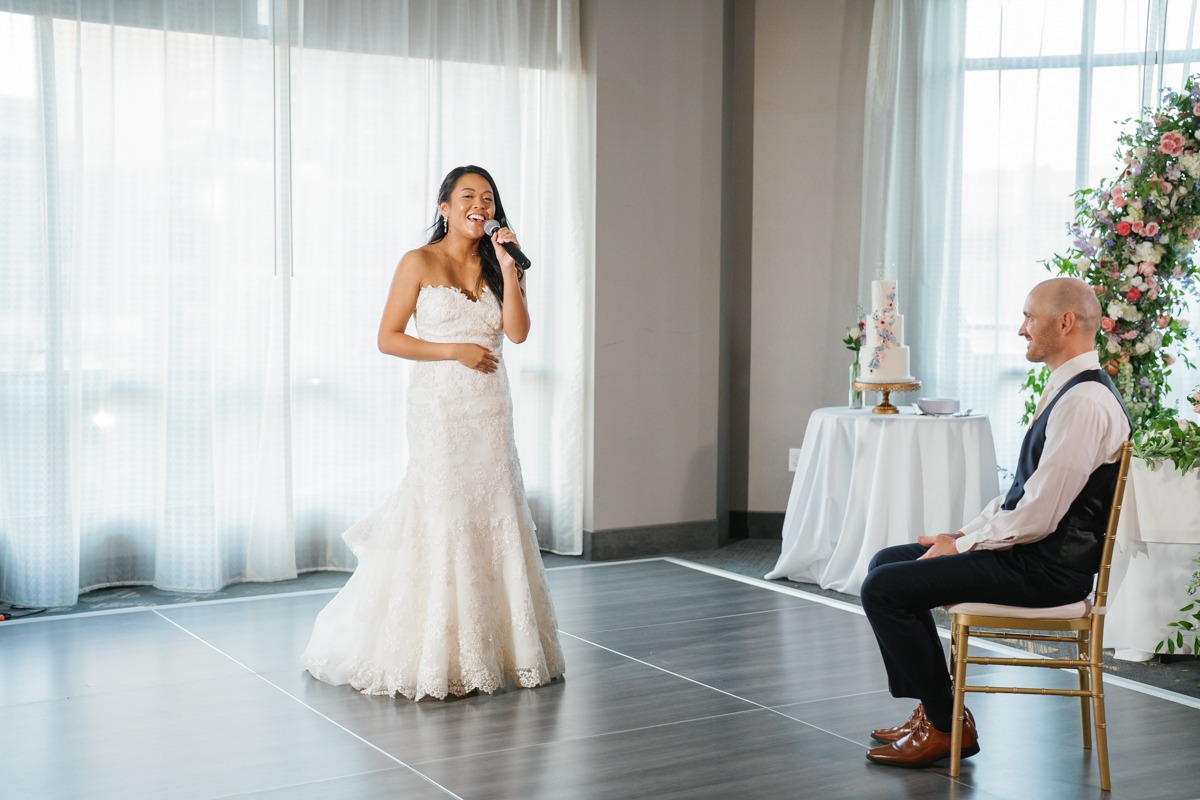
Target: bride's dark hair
[(487, 253)]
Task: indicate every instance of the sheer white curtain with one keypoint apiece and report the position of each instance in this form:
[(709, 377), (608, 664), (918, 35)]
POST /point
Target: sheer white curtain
[(983, 118), (204, 202)]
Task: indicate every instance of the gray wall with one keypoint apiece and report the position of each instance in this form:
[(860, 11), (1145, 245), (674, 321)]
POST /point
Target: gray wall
[(727, 142), (810, 63)]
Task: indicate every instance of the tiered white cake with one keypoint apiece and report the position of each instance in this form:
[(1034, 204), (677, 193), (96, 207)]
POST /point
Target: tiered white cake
[(884, 356)]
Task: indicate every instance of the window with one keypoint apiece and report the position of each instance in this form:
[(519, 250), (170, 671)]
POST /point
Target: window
[(1045, 84)]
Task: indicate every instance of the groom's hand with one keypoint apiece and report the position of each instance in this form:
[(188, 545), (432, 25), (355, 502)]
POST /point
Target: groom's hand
[(940, 545)]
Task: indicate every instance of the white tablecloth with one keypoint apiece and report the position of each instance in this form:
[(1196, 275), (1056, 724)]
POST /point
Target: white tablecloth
[(867, 481), (1157, 538)]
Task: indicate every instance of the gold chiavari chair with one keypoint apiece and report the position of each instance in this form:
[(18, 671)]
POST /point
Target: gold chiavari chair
[(1080, 623)]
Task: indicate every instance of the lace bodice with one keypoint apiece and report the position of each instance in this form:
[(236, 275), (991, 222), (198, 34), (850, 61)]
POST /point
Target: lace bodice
[(447, 314)]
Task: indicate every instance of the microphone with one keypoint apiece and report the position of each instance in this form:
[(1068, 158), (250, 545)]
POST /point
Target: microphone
[(490, 227)]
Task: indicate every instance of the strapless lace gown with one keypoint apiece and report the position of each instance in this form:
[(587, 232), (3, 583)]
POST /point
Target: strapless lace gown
[(449, 594)]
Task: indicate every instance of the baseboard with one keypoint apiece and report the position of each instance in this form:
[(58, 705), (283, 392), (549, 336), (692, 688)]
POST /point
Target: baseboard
[(756, 524), (651, 540)]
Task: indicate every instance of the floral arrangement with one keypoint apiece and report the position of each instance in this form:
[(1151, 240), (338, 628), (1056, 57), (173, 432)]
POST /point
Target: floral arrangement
[(855, 333), (1133, 241)]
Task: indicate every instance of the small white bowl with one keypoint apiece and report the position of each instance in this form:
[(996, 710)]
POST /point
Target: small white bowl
[(938, 406)]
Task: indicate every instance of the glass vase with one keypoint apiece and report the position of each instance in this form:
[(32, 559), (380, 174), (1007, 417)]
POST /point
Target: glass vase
[(856, 395)]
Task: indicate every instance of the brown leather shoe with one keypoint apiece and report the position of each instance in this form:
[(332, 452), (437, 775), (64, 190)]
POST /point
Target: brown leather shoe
[(900, 731), (923, 746)]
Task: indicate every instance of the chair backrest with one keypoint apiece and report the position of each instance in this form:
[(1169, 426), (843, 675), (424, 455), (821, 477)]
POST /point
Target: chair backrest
[(1110, 533)]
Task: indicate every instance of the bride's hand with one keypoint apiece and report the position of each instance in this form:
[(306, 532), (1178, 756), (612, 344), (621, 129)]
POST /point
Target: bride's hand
[(507, 264), (476, 357)]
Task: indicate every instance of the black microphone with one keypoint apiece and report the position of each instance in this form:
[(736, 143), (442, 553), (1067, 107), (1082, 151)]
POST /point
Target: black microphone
[(490, 227)]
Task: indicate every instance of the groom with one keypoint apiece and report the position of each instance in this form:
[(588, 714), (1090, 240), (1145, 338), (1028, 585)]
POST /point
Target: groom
[(1037, 545)]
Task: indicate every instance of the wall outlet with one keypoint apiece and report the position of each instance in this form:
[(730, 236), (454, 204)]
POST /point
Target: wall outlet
[(793, 458)]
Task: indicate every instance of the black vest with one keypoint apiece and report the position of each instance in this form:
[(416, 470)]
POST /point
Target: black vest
[(1078, 540)]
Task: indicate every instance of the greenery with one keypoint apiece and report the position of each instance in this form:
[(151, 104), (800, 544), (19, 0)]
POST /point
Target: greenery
[(1169, 438), (1188, 626)]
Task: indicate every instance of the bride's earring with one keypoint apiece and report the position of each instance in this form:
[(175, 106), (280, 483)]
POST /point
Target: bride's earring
[(445, 224)]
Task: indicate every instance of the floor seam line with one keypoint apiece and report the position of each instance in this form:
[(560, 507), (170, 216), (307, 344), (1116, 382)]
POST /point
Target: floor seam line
[(305, 705)]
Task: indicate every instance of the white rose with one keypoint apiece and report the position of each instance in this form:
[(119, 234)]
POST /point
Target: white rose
[(1140, 349), (1146, 251), (1131, 270), (1183, 323), (1154, 340), (1083, 263), (1116, 309), (1132, 314), (1113, 347), (1191, 164)]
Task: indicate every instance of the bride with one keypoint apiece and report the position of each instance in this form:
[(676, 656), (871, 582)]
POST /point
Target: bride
[(449, 595)]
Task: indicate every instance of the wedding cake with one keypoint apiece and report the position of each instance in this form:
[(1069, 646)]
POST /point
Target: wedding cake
[(884, 356)]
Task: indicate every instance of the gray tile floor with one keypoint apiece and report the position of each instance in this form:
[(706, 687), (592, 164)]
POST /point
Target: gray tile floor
[(682, 682)]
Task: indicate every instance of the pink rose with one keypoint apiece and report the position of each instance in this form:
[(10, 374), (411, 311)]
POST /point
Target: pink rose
[(1168, 359), (1151, 229), (1171, 143), (1123, 228), (1118, 198), (1196, 109), (1163, 320), (1107, 324), (1133, 295), (1112, 368), (1196, 408), (1146, 268), (1137, 227)]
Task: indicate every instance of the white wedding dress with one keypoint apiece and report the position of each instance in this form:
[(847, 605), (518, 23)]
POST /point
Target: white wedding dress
[(449, 594)]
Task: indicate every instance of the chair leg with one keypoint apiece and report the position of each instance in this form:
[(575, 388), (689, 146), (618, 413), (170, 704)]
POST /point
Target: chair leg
[(1082, 651), (953, 644), (1101, 722), (958, 646)]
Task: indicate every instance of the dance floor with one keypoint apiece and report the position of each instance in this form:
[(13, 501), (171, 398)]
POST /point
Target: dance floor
[(682, 682)]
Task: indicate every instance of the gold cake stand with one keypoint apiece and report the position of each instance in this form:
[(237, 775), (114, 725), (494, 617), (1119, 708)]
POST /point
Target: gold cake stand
[(885, 405)]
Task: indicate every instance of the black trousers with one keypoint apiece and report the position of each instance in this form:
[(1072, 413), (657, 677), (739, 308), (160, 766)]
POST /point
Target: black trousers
[(900, 591)]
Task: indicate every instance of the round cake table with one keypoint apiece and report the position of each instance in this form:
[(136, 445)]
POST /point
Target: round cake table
[(866, 481)]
